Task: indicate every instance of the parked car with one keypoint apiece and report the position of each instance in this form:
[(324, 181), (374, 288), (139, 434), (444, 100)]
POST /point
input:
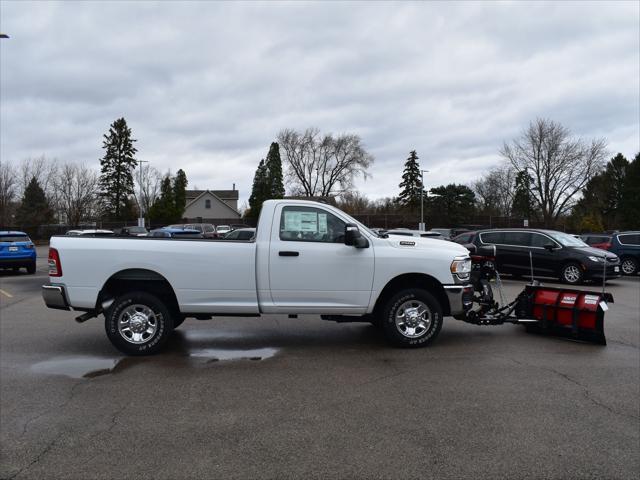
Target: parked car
[(241, 234), (134, 231), (222, 230), (464, 238), (206, 229), (17, 251), (308, 258), (597, 240), (445, 232), (627, 246), (415, 233), (168, 232), (554, 254), (91, 233)]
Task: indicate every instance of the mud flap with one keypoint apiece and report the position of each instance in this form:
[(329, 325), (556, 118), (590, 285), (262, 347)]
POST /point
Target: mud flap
[(574, 314)]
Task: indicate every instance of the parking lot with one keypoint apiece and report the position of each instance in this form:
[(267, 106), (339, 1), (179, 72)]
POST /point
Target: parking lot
[(274, 397)]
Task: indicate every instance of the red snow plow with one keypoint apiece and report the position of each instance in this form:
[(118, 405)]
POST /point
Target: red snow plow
[(570, 313)]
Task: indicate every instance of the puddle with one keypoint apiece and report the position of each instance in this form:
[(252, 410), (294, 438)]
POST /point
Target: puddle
[(214, 354), (77, 367)]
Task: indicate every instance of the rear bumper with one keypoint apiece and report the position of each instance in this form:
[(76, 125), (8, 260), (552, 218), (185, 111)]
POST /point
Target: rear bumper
[(17, 261), (54, 297), (460, 298)]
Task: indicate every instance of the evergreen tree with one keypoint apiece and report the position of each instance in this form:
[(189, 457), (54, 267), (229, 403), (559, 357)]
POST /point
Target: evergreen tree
[(116, 180), (522, 202), (452, 204), (260, 191), (630, 199), (411, 182), (273, 166), (164, 208), (180, 192), (34, 209)]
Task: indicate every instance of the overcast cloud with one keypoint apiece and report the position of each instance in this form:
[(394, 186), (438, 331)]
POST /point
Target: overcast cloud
[(207, 86)]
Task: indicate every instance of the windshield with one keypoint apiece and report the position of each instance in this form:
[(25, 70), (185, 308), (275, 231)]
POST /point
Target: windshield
[(567, 240)]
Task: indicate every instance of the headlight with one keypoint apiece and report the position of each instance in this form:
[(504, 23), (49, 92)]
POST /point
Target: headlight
[(461, 266), (596, 259)]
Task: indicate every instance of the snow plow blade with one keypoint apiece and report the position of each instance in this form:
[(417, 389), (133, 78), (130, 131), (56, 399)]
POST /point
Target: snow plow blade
[(561, 312)]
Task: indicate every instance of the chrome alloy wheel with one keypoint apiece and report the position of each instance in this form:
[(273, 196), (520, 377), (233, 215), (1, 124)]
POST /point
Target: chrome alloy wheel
[(413, 319), (628, 267), (137, 324), (572, 274)]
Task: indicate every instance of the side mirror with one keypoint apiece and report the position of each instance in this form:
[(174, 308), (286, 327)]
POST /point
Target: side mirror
[(486, 251), (353, 237), (550, 247), (471, 247)]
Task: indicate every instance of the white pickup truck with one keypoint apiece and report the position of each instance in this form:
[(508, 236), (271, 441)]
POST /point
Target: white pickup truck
[(306, 258)]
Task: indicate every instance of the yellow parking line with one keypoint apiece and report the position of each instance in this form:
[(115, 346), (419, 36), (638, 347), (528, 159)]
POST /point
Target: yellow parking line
[(6, 293)]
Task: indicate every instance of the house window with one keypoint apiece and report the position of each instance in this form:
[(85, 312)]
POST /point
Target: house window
[(207, 203)]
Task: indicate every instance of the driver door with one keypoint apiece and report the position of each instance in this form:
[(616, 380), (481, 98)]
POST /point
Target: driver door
[(311, 270)]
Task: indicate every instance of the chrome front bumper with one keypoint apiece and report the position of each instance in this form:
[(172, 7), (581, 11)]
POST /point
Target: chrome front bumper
[(54, 297), (460, 298)]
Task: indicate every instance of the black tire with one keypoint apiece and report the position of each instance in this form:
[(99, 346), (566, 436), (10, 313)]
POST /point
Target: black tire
[(571, 274), (31, 268), (629, 266), (411, 298), (149, 306)]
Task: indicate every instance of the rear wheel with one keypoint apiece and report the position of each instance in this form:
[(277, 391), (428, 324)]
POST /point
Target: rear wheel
[(31, 268), (412, 318), (629, 266), (138, 323), (572, 274)]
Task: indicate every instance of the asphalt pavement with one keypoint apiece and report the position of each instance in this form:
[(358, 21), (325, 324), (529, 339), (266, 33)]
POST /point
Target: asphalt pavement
[(274, 397)]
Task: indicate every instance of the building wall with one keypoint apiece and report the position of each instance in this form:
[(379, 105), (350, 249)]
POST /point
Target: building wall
[(217, 210)]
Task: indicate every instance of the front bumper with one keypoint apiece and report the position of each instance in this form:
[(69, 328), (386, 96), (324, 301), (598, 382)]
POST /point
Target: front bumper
[(595, 273), (460, 298), (54, 297)]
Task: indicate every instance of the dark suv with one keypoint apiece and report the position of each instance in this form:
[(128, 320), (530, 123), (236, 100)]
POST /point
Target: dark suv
[(627, 246), (554, 254)]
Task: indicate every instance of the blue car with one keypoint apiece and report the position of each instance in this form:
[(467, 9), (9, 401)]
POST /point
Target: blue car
[(627, 246), (16, 251), (169, 232)]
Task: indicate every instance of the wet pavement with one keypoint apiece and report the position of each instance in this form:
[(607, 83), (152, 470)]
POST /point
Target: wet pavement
[(275, 397)]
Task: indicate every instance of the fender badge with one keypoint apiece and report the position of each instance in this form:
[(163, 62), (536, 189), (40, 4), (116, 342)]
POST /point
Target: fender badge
[(408, 244)]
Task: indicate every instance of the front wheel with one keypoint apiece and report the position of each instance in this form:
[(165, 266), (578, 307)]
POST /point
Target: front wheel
[(412, 318), (572, 274), (138, 323), (629, 266)]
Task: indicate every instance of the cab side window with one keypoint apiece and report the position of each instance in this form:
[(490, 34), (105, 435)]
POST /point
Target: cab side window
[(309, 224)]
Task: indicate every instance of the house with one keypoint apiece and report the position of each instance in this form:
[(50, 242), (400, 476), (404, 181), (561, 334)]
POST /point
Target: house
[(211, 205)]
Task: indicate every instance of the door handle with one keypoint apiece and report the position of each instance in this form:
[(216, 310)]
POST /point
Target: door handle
[(289, 254)]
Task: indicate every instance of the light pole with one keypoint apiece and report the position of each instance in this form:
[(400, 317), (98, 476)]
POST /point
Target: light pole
[(140, 207), (421, 226)]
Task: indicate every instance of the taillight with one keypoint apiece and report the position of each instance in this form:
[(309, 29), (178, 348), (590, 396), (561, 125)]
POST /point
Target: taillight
[(55, 267)]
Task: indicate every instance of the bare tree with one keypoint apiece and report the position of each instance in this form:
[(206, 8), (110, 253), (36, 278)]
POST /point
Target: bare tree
[(495, 191), (77, 192), (7, 192), (559, 164), (321, 165), (147, 188)]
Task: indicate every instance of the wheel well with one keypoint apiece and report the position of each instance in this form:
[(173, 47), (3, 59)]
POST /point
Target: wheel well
[(140, 280), (413, 280)]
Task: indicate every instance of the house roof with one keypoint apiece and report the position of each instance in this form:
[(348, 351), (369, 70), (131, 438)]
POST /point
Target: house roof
[(221, 194), (191, 201)]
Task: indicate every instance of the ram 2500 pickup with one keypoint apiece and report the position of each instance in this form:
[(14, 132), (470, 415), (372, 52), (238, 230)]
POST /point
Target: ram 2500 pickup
[(306, 258)]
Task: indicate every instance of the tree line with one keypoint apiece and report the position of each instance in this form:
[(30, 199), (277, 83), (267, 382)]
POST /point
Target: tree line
[(42, 191)]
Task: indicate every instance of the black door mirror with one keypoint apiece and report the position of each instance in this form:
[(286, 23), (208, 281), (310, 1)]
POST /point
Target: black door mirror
[(550, 247), (353, 237)]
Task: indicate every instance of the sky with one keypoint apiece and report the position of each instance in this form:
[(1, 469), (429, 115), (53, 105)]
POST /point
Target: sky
[(207, 86)]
